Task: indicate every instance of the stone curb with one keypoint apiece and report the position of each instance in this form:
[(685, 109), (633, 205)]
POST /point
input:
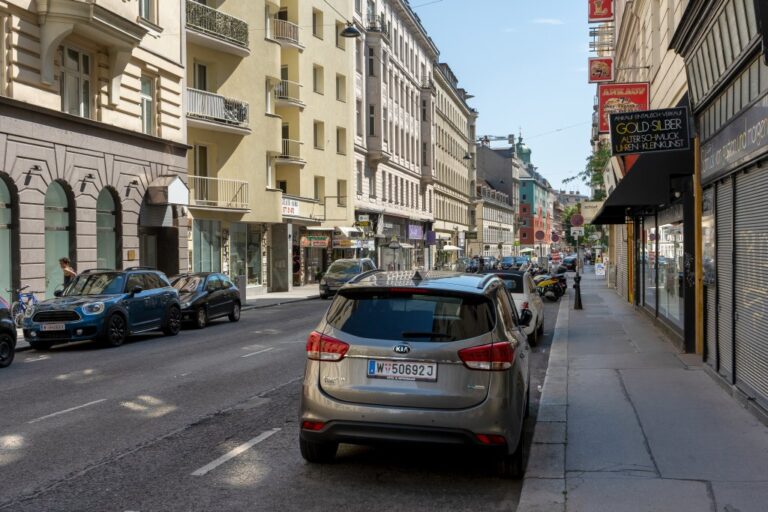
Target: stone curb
[(544, 483), (247, 307)]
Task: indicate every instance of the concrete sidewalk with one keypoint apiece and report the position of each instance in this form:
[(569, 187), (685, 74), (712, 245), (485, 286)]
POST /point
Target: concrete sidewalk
[(263, 301), (628, 424)]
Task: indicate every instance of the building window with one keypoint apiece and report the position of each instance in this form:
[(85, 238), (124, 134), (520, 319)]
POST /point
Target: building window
[(341, 192), (146, 10), (359, 6), (371, 182), (283, 185), (359, 179), (106, 231), (341, 88), (148, 105), (269, 105), (341, 141), (270, 172), (320, 189), (384, 186), (372, 120), (201, 76), (317, 79), (358, 119), (206, 246), (340, 40), (317, 23), (76, 83), (318, 134), (371, 56)]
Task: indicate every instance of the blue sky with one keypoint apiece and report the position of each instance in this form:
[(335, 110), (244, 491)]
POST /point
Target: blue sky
[(525, 61)]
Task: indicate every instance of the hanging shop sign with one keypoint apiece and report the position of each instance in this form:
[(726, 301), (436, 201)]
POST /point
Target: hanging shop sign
[(470, 235), (315, 241), (600, 11), (589, 210), (650, 131), (621, 98), (742, 140), (601, 70)]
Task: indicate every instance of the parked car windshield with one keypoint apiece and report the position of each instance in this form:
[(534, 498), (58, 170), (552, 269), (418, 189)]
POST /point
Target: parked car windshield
[(409, 316), (108, 283), (347, 268), (188, 283)]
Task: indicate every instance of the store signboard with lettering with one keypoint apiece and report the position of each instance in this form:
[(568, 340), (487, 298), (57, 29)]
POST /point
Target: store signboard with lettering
[(600, 11), (621, 98), (650, 131)]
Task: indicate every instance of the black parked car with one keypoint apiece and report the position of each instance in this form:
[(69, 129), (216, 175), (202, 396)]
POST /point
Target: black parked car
[(205, 296), (7, 335)]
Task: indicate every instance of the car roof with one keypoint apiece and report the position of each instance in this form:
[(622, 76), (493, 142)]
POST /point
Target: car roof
[(518, 273), (430, 280)]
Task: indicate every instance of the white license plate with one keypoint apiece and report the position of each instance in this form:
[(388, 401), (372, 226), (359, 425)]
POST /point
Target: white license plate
[(402, 370), (53, 327)]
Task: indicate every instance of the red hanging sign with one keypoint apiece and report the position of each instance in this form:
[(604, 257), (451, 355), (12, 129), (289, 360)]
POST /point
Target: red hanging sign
[(601, 70), (618, 98), (600, 10)]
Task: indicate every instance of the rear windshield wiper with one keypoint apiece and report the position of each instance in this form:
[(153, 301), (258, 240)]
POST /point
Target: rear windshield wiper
[(425, 335)]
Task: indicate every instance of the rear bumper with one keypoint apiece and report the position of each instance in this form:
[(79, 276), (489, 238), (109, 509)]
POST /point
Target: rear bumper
[(384, 433)]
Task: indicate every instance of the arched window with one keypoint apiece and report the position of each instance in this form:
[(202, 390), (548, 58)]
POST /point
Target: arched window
[(6, 224), (107, 222), (56, 235)]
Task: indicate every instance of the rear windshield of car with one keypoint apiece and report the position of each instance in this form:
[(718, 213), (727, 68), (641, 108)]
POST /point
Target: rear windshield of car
[(188, 283), (412, 316), (96, 284), (345, 267), (513, 283)]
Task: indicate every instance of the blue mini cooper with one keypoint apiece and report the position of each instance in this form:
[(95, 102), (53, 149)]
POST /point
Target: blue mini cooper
[(108, 305)]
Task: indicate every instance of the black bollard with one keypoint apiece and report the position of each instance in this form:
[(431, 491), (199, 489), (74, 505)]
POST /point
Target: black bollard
[(577, 288)]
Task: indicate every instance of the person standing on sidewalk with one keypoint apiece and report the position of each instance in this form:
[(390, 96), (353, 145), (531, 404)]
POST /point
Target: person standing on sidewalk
[(68, 270)]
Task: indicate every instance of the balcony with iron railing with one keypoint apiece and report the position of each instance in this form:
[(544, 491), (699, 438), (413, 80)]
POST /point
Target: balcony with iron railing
[(215, 112), (212, 28), (291, 153), (378, 24), (286, 33), (218, 193), (288, 93)]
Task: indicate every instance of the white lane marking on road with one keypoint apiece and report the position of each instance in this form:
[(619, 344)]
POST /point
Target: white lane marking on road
[(259, 352), (41, 418), (235, 452), (41, 358)]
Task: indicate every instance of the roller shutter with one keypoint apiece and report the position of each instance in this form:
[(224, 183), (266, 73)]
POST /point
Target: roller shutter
[(724, 261), (752, 282), (710, 327), (621, 261)]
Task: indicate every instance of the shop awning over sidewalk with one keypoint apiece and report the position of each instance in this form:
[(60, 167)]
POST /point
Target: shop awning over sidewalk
[(646, 185)]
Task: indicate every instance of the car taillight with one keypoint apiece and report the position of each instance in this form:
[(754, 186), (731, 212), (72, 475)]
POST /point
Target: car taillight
[(325, 348), (491, 439), (313, 425), (491, 357), (525, 305)]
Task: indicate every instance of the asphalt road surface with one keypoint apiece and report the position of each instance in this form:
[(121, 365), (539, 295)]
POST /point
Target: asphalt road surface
[(207, 421)]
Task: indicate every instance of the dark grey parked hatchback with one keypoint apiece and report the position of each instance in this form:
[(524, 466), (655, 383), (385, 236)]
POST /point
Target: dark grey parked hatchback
[(418, 358)]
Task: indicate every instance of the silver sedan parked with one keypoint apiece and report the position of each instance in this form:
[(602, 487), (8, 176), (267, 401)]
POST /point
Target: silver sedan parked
[(434, 358)]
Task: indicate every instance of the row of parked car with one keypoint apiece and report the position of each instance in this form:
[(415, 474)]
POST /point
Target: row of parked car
[(111, 305)]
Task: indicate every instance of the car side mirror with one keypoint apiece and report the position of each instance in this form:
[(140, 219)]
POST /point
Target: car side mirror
[(525, 317), (58, 293), (210, 288), (136, 290)]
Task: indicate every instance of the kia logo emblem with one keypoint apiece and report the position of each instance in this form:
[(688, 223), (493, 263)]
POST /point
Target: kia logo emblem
[(402, 349)]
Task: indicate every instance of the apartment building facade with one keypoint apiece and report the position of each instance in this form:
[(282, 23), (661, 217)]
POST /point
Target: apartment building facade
[(494, 220), (394, 138), (268, 114), (724, 44), (455, 174), (500, 169), (92, 138), (650, 198)]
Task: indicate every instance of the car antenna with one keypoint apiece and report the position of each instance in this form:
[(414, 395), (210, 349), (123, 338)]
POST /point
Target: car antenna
[(417, 276)]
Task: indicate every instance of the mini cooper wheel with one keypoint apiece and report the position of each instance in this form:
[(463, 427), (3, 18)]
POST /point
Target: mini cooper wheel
[(318, 452), (116, 330), (201, 317), (7, 351), (234, 316), (172, 321)]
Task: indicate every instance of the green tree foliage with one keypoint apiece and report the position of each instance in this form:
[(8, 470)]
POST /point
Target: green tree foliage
[(592, 175)]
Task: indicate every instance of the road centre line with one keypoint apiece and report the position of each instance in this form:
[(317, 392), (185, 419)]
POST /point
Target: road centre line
[(41, 418), (259, 352), (235, 452)]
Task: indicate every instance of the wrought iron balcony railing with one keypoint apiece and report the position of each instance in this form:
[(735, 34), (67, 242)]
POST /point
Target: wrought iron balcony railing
[(216, 24)]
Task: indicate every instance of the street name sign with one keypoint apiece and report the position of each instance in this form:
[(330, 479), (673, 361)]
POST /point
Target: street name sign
[(577, 232), (650, 131)]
